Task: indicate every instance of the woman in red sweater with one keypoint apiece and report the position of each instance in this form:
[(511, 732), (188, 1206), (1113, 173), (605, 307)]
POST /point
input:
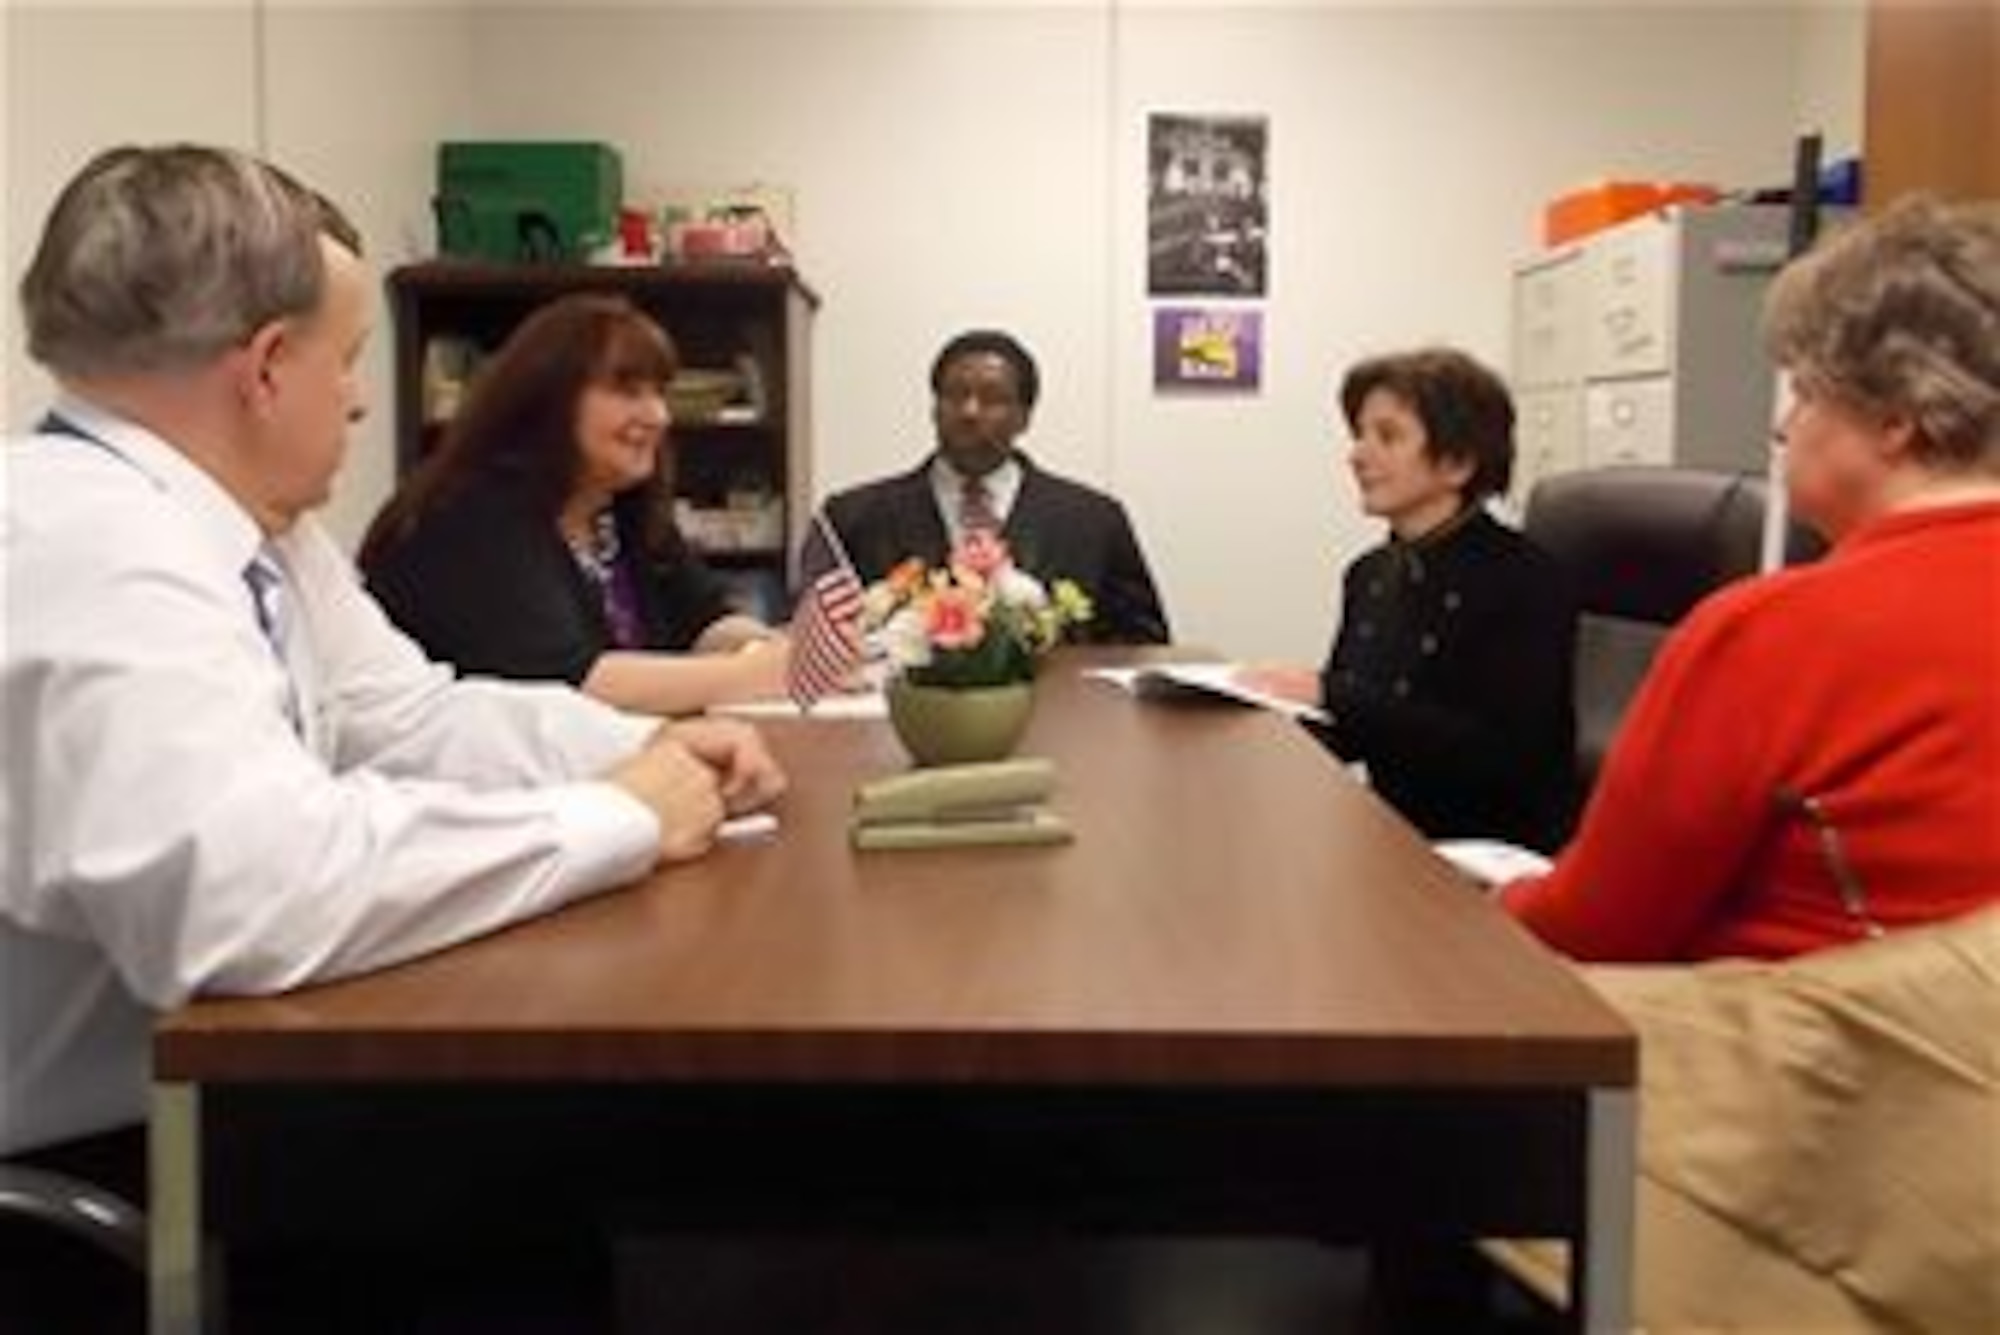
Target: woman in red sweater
[(1815, 757)]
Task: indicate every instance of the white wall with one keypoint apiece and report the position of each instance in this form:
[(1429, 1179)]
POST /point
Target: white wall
[(949, 169), (1832, 67), (357, 97), (1412, 150), (960, 164), (7, 335), (352, 97), (84, 77)]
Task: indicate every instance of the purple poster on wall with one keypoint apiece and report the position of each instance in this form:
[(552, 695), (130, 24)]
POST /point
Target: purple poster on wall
[(1207, 348)]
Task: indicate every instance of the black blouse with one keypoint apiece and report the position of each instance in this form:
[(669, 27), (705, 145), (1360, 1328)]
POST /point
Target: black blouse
[(1450, 679), (486, 583)]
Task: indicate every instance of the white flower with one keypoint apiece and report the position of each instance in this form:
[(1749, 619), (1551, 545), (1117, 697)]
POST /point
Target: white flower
[(1017, 588), (878, 600), (904, 640)]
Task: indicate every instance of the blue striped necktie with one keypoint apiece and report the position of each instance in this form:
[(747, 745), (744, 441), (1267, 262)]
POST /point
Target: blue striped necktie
[(267, 594)]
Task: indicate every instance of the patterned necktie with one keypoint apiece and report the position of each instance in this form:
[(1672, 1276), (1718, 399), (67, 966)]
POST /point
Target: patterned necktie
[(975, 508), (267, 595)]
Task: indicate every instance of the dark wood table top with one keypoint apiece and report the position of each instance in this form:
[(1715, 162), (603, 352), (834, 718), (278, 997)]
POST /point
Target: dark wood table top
[(1236, 910)]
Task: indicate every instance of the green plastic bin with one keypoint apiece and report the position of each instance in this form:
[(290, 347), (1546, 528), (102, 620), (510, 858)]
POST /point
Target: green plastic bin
[(514, 202)]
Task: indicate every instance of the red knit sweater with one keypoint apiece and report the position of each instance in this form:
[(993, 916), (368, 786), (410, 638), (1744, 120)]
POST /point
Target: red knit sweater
[(1870, 682)]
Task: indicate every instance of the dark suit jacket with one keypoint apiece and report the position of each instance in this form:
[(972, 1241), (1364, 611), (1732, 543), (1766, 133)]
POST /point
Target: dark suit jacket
[(1058, 529), (1450, 679), (486, 584)]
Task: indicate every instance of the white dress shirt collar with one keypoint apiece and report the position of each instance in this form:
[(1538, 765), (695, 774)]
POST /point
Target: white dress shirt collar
[(1003, 486), (225, 523)]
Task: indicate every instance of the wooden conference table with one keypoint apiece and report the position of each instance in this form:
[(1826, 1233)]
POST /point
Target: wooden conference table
[(1246, 1000)]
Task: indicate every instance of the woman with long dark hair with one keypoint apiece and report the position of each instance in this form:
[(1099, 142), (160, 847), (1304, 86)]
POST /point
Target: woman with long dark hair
[(538, 541)]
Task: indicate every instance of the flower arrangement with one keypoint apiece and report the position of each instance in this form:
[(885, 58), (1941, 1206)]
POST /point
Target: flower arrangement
[(979, 620)]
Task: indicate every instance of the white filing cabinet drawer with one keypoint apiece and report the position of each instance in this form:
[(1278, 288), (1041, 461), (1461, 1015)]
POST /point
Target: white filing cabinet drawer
[(1630, 274), (1629, 422), (1549, 299), (1548, 437)]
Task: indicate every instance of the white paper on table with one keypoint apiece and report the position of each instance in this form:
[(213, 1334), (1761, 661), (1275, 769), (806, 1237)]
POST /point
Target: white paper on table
[(861, 704), (1492, 862), (1165, 680)]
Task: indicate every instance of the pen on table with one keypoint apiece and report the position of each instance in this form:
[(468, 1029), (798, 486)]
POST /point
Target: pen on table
[(756, 825)]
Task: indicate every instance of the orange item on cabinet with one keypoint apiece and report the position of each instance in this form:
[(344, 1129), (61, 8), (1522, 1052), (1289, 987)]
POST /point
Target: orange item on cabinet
[(1596, 207)]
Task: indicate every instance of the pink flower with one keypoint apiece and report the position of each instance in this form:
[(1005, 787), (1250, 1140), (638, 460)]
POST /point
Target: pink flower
[(982, 552), (955, 619)]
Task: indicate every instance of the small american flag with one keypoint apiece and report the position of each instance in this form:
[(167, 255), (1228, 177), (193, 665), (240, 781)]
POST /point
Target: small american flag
[(826, 636)]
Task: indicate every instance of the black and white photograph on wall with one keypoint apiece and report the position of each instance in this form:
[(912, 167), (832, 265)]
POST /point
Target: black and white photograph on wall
[(1207, 206)]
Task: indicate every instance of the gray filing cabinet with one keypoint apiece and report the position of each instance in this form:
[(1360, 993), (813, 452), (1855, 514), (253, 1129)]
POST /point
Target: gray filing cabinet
[(1642, 344)]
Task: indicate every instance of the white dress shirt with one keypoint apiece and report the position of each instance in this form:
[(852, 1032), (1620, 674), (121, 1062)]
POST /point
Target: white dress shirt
[(170, 830)]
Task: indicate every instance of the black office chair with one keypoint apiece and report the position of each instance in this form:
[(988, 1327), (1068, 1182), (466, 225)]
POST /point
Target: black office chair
[(72, 1256), (1643, 545)]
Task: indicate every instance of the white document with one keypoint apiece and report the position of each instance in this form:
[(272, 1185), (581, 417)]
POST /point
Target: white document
[(1492, 862), (1214, 680)]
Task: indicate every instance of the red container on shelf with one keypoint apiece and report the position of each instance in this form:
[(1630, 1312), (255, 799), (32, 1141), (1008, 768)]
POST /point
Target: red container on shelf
[(724, 238)]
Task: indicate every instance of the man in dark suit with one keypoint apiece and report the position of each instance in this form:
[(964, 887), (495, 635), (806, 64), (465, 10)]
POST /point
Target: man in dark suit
[(983, 386)]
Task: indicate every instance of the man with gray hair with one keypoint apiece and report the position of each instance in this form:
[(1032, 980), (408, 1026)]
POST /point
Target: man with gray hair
[(224, 771)]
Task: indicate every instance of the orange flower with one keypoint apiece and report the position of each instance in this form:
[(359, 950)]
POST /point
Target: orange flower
[(955, 618), (906, 578)]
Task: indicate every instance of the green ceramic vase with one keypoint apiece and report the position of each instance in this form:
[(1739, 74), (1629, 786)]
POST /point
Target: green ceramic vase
[(959, 725)]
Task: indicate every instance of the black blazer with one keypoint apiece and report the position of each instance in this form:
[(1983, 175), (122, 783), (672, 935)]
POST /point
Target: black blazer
[(1056, 529), (486, 583), (1450, 679)]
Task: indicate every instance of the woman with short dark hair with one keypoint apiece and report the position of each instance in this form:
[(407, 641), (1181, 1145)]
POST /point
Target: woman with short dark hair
[(1450, 676), (1814, 757), (538, 541), (1466, 412)]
